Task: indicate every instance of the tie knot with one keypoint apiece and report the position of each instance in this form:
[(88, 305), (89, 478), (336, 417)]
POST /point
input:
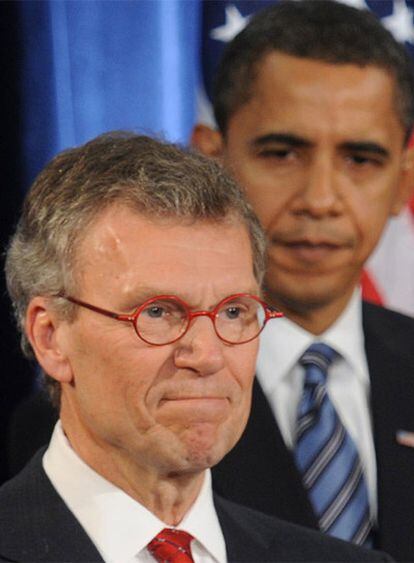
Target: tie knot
[(319, 356), (171, 546)]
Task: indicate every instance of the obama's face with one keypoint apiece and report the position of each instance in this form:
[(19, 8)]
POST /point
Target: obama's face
[(319, 149)]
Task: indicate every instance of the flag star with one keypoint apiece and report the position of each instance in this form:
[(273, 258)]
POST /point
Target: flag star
[(235, 22), (360, 4), (400, 23)]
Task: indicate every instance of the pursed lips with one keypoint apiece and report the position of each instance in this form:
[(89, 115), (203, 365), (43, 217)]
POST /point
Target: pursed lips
[(195, 398), (311, 249), (201, 391), (198, 409)]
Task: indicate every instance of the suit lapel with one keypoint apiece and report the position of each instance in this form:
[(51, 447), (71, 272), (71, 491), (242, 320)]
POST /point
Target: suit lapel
[(42, 528), (389, 343), (260, 471), (247, 540)]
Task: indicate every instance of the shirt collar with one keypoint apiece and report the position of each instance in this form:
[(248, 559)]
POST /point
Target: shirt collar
[(283, 342), (202, 522), (119, 526)]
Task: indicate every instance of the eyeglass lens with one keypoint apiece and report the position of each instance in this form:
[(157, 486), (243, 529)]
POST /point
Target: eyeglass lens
[(236, 320), (162, 321), (239, 319)]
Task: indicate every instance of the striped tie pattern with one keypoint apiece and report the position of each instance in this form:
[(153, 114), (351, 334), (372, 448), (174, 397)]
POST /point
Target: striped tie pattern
[(327, 456), (171, 546)]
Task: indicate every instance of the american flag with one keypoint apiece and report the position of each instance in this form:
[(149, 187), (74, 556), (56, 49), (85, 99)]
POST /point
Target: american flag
[(389, 275)]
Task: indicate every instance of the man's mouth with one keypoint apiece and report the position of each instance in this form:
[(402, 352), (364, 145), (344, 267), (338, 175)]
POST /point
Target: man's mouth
[(196, 409), (194, 400), (307, 250)]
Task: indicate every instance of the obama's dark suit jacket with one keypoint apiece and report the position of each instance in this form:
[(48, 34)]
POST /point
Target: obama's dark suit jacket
[(260, 472), (36, 526)]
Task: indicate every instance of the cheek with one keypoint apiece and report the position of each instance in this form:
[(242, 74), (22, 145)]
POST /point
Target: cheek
[(368, 210), (244, 373), (243, 365), (268, 198), (260, 183), (114, 371)]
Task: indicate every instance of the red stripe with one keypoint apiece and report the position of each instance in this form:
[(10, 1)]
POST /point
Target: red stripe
[(369, 290), (411, 205), (411, 202)]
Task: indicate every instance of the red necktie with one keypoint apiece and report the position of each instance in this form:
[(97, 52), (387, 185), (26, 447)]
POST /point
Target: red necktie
[(171, 546)]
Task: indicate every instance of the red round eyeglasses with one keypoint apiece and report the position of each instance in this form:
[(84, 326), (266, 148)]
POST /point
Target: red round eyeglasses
[(164, 319)]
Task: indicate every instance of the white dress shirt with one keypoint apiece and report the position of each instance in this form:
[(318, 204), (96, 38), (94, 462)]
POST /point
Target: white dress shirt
[(282, 344), (119, 526)]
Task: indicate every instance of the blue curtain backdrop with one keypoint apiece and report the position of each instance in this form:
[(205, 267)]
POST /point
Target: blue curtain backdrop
[(72, 69), (92, 66)]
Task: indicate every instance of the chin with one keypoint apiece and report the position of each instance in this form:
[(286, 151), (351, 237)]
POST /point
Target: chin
[(192, 459), (205, 448), (309, 293)]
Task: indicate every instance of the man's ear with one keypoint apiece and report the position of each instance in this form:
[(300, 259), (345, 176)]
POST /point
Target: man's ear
[(207, 140), (43, 329), (406, 185)]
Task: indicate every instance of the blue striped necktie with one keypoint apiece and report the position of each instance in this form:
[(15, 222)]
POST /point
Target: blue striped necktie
[(327, 457)]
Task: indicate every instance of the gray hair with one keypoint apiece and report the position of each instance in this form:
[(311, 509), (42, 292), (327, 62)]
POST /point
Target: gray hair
[(154, 178)]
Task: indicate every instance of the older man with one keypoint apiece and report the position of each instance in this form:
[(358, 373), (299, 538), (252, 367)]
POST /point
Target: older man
[(135, 275), (314, 105)]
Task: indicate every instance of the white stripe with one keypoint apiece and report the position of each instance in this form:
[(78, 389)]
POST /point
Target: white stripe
[(325, 456), (362, 533), (337, 506)]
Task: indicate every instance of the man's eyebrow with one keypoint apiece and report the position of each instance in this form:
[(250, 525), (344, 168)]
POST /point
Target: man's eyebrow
[(143, 294), (283, 138), (139, 296), (366, 147), (298, 141)]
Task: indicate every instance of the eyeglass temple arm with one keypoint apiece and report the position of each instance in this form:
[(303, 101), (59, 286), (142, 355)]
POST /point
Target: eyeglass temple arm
[(96, 309), (273, 313)]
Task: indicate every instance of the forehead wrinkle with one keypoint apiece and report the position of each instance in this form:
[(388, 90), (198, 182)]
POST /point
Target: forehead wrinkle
[(98, 247), (116, 260)]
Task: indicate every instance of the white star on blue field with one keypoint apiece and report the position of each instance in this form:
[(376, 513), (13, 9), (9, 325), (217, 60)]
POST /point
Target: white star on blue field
[(399, 22)]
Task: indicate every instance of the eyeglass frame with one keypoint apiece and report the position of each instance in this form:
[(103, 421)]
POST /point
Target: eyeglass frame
[(270, 313)]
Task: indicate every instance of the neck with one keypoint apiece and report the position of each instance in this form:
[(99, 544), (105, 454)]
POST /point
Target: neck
[(168, 495), (316, 317)]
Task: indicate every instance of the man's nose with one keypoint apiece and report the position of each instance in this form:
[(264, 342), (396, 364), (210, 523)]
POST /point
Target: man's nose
[(200, 349), (318, 193)]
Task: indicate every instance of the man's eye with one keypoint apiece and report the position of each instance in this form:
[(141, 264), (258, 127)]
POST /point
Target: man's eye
[(155, 312), (280, 154), (363, 160), (233, 312), (237, 312)]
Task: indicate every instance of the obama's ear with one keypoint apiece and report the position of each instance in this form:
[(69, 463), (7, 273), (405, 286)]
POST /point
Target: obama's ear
[(207, 140), (44, 331)]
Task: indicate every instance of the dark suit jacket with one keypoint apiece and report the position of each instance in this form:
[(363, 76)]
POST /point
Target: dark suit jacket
[(36, 526), (260, 472)]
